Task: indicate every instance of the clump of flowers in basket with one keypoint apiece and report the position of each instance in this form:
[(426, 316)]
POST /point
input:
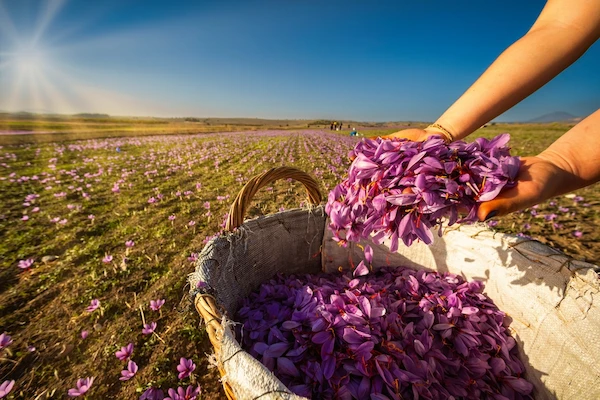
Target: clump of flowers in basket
[(393, 334), (400, 189)]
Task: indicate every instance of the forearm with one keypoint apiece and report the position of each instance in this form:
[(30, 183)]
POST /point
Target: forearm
[(578, 153), (562, 33), (522, 69)]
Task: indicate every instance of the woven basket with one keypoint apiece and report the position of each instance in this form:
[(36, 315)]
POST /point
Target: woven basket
[(206, 304), (548, 296)]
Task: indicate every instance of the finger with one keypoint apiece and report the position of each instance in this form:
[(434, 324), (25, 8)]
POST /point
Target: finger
[(495, 208), (510, 200)]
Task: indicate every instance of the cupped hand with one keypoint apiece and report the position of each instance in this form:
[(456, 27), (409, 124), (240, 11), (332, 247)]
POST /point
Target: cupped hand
[(413, 134), (538, 180)]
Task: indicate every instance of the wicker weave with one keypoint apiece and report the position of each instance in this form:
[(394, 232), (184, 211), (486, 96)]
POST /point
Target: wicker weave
[(206, 304)]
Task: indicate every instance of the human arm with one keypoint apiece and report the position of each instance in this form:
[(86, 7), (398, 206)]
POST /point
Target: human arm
[(564, 30), (570, 163)]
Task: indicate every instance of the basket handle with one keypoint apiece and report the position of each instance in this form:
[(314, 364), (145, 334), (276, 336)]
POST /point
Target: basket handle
[(242, 201)]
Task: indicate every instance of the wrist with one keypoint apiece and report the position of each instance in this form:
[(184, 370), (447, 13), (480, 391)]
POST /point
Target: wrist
[(439, 129)]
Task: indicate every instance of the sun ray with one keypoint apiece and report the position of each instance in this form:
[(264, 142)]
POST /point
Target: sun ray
[(7, 28), (47, 15)]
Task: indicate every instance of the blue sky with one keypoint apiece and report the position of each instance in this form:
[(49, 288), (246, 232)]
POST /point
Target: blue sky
[(361, 60)]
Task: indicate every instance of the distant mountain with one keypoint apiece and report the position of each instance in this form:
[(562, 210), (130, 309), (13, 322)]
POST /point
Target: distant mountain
[(557, 116)]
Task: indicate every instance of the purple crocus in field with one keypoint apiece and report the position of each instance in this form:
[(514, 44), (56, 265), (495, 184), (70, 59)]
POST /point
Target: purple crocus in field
[(25, 264), (129, 243), (5, 388), (578, 234), (190, 393), (148, 329), (130, 372), (172, 217), (155, 305), (152, 394), (185, 367), (84, 334), (82, 386), (125, 352), (107, 259), (94, 304), (5, 340)]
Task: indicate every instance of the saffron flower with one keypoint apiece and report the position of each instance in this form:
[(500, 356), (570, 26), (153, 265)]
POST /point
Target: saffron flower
[(152, 394), (5, 340), (94, 304), (25, 264), (400, 190), (130, 372), (578, 234), (191, 223), (84, 334), (107, 259), (5, 388), (201, 285), (172, 217), (190, 393), (125, 352), (185, 367), (82, 386), (148, 329), (155, 305), (394, 333), (129, 243)]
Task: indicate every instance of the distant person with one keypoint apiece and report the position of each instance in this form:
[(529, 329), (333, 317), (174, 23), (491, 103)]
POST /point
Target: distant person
[(562, 33)]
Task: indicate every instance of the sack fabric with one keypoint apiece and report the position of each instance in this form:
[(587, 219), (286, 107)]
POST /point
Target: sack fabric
[(550, 299)]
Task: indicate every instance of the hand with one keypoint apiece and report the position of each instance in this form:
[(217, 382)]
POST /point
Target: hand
[(538, 180), (413, 134)]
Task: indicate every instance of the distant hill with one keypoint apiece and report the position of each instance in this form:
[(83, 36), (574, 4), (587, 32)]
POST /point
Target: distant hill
[(557, 116)]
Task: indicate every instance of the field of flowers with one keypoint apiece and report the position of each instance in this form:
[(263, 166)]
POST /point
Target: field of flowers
[(97, 238)]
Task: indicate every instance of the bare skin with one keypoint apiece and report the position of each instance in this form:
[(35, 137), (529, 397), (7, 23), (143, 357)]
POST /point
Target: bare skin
[(562, 33)]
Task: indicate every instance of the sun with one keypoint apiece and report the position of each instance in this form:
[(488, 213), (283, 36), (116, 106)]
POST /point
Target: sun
[(29, 63)]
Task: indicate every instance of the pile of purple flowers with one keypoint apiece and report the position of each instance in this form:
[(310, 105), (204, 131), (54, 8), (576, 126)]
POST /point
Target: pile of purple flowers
[(401, 189), (393, 334)]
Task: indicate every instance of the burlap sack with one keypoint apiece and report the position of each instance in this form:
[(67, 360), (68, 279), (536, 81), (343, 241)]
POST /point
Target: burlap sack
[(548, 296)]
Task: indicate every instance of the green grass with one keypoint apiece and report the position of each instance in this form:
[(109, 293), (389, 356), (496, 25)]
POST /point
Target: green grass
[(44, 307)]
